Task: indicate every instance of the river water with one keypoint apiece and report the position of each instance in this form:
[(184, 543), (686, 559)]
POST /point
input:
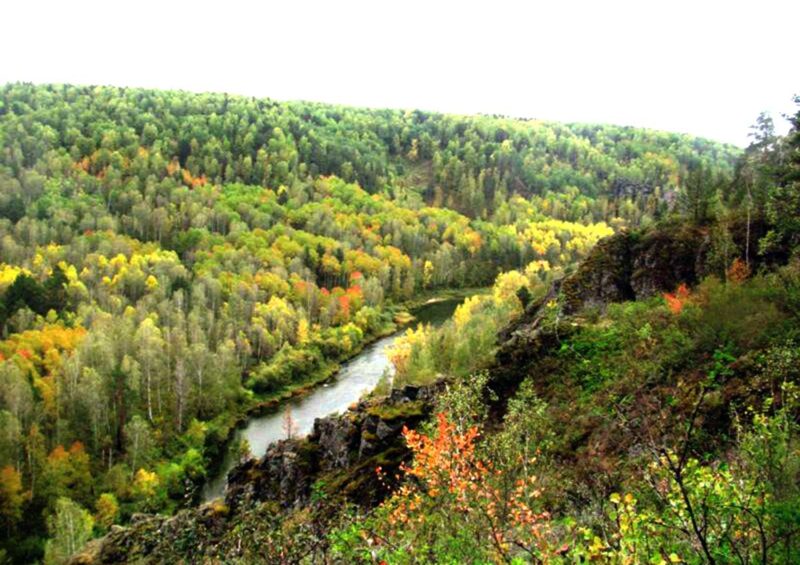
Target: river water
[(354, 379)]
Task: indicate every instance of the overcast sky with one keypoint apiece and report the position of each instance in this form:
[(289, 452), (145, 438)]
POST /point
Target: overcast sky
[(701, 67)]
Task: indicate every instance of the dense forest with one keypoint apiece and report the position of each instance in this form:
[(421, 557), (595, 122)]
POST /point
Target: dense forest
[(642, 407), (170, 260)]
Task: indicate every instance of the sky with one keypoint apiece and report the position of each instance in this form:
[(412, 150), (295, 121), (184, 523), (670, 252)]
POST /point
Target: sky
[(702, 67)]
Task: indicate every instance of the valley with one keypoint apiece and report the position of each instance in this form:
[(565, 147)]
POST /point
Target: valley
[(206, 352)]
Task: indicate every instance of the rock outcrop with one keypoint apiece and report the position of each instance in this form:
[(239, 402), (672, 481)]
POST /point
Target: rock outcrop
[(626, 266), (634, 265), (335, 454)]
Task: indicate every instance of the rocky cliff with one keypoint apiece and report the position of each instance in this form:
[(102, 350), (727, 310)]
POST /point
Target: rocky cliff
[(627, 266), (338, 458), (631, 266)]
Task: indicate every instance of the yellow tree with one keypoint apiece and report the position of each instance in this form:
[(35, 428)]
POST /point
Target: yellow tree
[(11, 497)]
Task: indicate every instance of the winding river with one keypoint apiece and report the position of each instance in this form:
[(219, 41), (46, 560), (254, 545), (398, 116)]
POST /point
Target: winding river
[(355, 378)]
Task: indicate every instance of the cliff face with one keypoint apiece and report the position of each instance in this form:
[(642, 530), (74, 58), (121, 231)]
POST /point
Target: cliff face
[(632, 266), (339, 456), (637, 265), (627, 266)]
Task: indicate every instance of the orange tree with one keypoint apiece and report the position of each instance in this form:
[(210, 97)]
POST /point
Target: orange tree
[(453, 506)]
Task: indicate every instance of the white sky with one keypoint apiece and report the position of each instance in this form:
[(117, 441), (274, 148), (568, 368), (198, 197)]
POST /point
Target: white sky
[(702, 67)]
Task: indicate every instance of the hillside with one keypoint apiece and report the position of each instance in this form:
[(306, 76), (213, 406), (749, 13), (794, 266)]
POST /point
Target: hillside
[(575, 172), (173, 261)]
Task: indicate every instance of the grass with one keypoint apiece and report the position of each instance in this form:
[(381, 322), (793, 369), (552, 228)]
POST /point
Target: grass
[(396, 411)]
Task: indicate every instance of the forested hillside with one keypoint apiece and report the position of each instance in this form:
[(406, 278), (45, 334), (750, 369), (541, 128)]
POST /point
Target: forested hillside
[(644, 408), (169, 260), (123, 137)]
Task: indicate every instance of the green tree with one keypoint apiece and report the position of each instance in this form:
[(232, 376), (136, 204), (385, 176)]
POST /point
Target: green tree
[(55, 291), (783, 206), (699, 193), (70, 527), (24, 292), (107, 510), (139, 444)]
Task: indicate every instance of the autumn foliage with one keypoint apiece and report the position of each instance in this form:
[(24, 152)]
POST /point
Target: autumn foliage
[(738, 272), (677, 300), (445, 465), (449, 481), (11, 496)]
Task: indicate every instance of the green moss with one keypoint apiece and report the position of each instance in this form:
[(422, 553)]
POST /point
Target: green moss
[(393, 412), (360, 482), (307, 453)]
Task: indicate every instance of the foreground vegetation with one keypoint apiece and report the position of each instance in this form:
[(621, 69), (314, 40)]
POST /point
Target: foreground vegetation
[(662, 431)]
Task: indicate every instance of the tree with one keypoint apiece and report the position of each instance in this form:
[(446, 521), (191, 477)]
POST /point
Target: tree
[(289, 425), (783, 205), (68, 473), (55, 290), (699, 193), (107, 510), (427, 274), (453, 500), (11, 497), (70, 527), (25, 292), (16, 395), (12, 208), (139, 442), (150, 354), (10, 439), (35, 457), (145, 489)]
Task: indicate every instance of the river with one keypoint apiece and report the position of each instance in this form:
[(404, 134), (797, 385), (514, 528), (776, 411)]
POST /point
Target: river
[(355, 378)]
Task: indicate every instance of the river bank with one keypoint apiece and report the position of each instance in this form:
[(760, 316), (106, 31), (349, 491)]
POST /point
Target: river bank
[(219, 444), (342, 383)]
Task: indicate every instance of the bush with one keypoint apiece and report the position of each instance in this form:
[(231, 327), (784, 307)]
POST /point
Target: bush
[(289, 365), (741, 316)]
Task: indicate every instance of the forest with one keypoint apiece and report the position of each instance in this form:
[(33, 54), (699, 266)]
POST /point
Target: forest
[(171, 260)]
